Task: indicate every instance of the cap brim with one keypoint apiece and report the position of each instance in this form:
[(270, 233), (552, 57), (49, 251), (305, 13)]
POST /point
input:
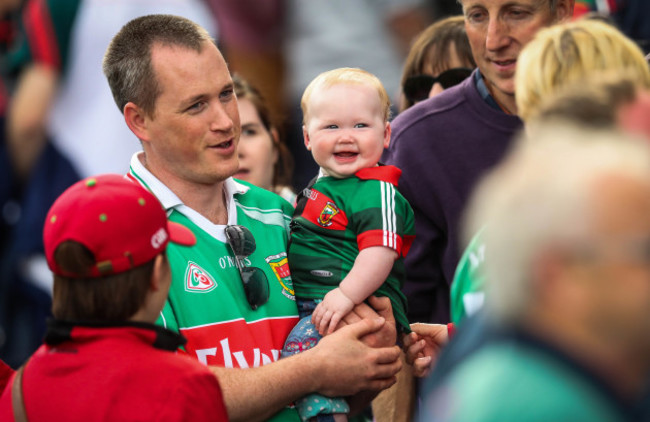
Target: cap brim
[(180, 234)]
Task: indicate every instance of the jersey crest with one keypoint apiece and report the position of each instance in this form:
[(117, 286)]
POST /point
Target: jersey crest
[(321, 210), (326, 215), (197, 279), (280, 266)]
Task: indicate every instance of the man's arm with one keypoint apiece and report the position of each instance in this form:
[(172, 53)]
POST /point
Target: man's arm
[(27, 116), (340, 365)]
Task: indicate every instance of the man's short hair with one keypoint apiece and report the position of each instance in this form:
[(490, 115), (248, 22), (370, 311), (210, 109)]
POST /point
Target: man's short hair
[(127, 62), (539, 199)]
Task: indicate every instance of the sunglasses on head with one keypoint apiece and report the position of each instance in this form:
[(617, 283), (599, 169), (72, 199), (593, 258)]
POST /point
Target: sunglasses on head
[(254, 280), (416, 88)]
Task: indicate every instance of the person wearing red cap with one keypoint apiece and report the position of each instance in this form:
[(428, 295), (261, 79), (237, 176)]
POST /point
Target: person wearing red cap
[(105, 239), (232, 294)]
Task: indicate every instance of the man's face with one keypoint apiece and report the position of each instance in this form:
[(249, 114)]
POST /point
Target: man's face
[(499, 29), (193, 133), (617, 280)]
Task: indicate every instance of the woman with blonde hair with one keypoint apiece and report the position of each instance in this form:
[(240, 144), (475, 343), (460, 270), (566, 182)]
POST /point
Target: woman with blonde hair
[(573, 53)]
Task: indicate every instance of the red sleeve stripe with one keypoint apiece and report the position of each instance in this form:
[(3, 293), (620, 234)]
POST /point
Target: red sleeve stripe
[(40, 31), (377, 238), (406, 246)]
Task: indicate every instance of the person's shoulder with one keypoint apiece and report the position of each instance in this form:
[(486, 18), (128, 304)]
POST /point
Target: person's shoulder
[(490, 394), (517, 382), (253, 196), (194, 391), (431, 109)]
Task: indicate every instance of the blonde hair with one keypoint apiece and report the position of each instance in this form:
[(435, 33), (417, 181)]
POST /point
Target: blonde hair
[(345, 75), (570, 53)]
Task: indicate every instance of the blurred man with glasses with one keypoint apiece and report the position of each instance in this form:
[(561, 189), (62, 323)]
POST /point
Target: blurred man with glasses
[(231, 294)]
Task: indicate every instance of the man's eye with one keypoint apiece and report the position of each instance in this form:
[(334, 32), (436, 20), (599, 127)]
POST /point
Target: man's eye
[(198, 106), (226, 95), (518, 14), (476, 16)]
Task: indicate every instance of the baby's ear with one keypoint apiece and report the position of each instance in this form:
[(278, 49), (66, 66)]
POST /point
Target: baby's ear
[(305, 136), (387, 132)]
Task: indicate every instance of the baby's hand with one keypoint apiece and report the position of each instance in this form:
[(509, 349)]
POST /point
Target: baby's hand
[(328, 313)]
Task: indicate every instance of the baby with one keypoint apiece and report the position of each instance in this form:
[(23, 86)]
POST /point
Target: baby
[(351, 227)]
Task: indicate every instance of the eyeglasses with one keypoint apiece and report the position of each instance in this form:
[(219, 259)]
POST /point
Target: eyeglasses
[(416, 88), (254, 280), (633, 250)]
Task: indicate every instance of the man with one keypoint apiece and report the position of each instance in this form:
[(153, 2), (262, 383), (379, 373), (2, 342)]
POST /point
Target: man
[(232, 295), (444, 144), (568, 280), (54, 60), (105, 239)]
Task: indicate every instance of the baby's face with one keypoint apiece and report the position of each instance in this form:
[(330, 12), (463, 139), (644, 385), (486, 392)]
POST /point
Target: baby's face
[(345, 128)]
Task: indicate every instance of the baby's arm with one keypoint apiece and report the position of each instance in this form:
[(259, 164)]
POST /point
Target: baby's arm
[(370, 270)]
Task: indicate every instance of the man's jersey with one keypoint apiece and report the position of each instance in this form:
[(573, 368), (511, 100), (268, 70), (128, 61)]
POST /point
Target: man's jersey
[(467, 294), (340, 217), (207, 303)]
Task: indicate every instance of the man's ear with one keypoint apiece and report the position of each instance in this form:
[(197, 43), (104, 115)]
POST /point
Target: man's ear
[(136, 120), (387, 132), (305, 135), (564, 10), (159, 274)]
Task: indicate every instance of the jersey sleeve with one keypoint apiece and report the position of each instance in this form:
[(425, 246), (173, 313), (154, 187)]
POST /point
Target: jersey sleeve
[(382, 217), (44, 34)]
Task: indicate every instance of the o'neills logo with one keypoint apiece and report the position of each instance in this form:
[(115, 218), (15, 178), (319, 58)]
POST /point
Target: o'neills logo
[(197, 279), (326, 215), (280, 266)]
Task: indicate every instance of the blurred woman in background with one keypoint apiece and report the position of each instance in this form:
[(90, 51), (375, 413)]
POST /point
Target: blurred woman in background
[(264, 160), (440, 57)]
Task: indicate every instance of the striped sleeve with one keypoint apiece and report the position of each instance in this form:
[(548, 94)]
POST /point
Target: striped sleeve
[(387, 220)]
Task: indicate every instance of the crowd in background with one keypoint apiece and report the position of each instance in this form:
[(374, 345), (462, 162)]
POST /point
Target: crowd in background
[(59, 125)]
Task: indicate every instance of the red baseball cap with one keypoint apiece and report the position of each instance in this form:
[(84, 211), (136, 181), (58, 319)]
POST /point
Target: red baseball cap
[(120, 222)]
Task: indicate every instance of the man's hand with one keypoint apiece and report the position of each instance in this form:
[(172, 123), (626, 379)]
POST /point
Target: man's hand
[(349, 366), (381, 307), (422, 346), (330, 311)]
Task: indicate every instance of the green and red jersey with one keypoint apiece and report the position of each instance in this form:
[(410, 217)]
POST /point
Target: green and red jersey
[(45, 30), (206, 300), (340, 217)]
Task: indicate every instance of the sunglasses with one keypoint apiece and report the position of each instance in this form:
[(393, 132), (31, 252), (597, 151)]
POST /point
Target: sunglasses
[(254, 280), (416, 88)]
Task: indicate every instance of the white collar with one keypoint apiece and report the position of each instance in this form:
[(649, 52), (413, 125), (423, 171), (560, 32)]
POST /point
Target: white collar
[(171, 201)]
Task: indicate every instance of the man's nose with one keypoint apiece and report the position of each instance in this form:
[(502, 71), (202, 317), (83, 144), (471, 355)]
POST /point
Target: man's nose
[(221, 121), (498, 34)]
